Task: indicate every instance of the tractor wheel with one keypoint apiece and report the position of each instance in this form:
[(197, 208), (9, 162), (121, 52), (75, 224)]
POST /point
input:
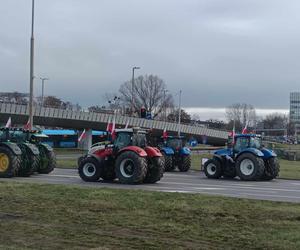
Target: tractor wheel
[(168, 159), (155, 170), (80, 159), (29, 165), (90, 169), (108, 173), (250, 167), (131, 168), (9, 163), (185, 163), (47, 164), (213, 169), (272, 169)]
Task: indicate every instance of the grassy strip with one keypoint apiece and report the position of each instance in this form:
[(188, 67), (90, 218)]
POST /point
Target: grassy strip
[(37, 216)]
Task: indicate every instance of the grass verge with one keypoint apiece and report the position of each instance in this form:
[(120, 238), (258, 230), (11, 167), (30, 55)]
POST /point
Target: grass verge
[(37, 216)]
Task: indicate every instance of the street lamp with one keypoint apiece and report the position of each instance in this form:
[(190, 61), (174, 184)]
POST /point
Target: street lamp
[(31, 69), (179, 115), (132, 89), (43, 83), (165, 105)]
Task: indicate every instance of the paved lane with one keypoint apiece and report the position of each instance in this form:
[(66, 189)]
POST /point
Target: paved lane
[(191, 182)]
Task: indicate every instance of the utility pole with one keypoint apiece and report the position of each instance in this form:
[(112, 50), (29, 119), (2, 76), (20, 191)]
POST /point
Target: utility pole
[(179, 115), (132, 89), (43, 87), (31, 69)]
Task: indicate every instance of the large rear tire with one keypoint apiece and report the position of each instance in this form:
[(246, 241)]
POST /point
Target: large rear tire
[(168, 159), (185, 163), (47, 164), (250, 167), (272, 169), (9, 163), (131, 168), (90, 169), (213, 169), (155, 170), (29, 162)]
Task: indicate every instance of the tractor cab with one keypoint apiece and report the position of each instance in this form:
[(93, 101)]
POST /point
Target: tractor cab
[(174, 142), (244, 141), (130, 137)]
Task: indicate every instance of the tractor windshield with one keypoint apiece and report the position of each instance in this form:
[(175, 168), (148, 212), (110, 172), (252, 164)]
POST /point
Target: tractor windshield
[(17, 136), (139, 140), (174, 143), (122, 140), (255, 142), (247, 142)]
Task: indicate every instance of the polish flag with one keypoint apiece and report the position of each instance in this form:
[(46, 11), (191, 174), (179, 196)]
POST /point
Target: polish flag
[(245, 130), (113, 129), (232, 133), (82, 136), (127, 123), (27, 125), (8, 124), (165, 134)]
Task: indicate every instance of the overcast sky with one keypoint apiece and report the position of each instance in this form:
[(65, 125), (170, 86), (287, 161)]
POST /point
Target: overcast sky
[(217, 51)]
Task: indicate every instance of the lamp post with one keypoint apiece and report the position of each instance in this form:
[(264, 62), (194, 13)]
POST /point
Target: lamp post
[(31, 69), (43, 87), (165, 105), (132, 89), (179, 115)]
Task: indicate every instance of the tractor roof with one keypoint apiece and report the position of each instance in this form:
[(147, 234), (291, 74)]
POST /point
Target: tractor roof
[(248, 135), (131, 130)]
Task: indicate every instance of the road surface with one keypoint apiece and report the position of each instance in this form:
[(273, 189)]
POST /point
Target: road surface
[(191, 182)]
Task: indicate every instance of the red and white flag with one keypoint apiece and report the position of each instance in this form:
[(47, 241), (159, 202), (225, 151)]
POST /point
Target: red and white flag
[(245, 130), (27, 125), (113, 129), (127, 123), (165, 134), (8, 124), (109, 126), (82, 136)]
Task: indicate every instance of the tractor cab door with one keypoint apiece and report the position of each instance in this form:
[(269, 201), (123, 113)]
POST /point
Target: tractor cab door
[(240, 144), (122, 140)]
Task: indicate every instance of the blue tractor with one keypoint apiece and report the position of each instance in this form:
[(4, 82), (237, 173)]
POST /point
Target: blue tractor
[(176, 154), (244, 157)]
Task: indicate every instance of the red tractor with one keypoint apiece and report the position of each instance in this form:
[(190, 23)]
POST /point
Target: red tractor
[(128, 159)]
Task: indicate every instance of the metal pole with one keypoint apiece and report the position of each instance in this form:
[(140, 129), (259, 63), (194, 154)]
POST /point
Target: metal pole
[(43, 87), (179, 115), (132, 89), (165, 111), (31, 69)]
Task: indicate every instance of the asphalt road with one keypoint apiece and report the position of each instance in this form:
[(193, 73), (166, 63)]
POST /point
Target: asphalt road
[(191, 182)]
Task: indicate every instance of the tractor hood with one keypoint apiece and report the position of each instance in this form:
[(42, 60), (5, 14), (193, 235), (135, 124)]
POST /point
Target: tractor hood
[(225, 151), (268, 153), (185, 151), (167, 150)]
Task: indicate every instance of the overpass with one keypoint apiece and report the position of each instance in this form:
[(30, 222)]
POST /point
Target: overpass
[(52, 117)]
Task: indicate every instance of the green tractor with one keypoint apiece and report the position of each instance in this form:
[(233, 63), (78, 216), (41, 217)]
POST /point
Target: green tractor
[(10, 156)]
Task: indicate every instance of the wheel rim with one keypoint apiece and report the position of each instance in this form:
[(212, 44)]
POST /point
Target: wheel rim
[(211, 169), (89, 169), (127, 168), (247, 167), (4, 162)]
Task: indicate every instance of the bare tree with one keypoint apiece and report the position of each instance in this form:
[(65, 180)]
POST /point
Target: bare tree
[(174, 116), (276, 121), (241, 114), (148, 92)]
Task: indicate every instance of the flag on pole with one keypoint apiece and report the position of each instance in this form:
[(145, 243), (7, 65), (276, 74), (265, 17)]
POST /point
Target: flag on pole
[(113, 129), (245, 130), (165, 134), (109, 126), (27, 125), (82, 136), (8, 124), (127, 123)]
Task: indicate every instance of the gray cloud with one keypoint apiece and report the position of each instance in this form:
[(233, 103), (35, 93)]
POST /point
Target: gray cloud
[(217, 51)]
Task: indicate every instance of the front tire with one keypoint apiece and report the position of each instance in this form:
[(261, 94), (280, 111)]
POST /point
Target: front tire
[(169, 166), (185, 163), (213, 169), (90, 169), (155, 170), (131, 168), (272, 169), (9, 163), (250, 167)]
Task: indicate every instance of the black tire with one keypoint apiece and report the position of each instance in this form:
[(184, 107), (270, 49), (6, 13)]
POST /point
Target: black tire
[(229, 172), (108, 173), (156, 170), (80, 159), (130, 168), (253, 168), (90, 169), (213, 169), (185, 163), (29, 162), (10, 163), (47, 164), (168, 160), (272, 169)]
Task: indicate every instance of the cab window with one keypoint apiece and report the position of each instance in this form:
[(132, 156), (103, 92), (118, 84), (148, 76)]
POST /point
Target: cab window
[(241, 143)]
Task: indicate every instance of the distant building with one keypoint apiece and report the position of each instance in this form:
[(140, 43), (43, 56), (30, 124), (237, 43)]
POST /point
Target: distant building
[(295, 107)]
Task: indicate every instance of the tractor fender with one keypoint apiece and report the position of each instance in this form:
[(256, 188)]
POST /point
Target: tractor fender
[(153, 152), (168, 151), (268, 153), (220, 158), (253, 151), (141, 152), (32, 148), (46, 147), (102, 153), (185, 151), (12, 146)]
